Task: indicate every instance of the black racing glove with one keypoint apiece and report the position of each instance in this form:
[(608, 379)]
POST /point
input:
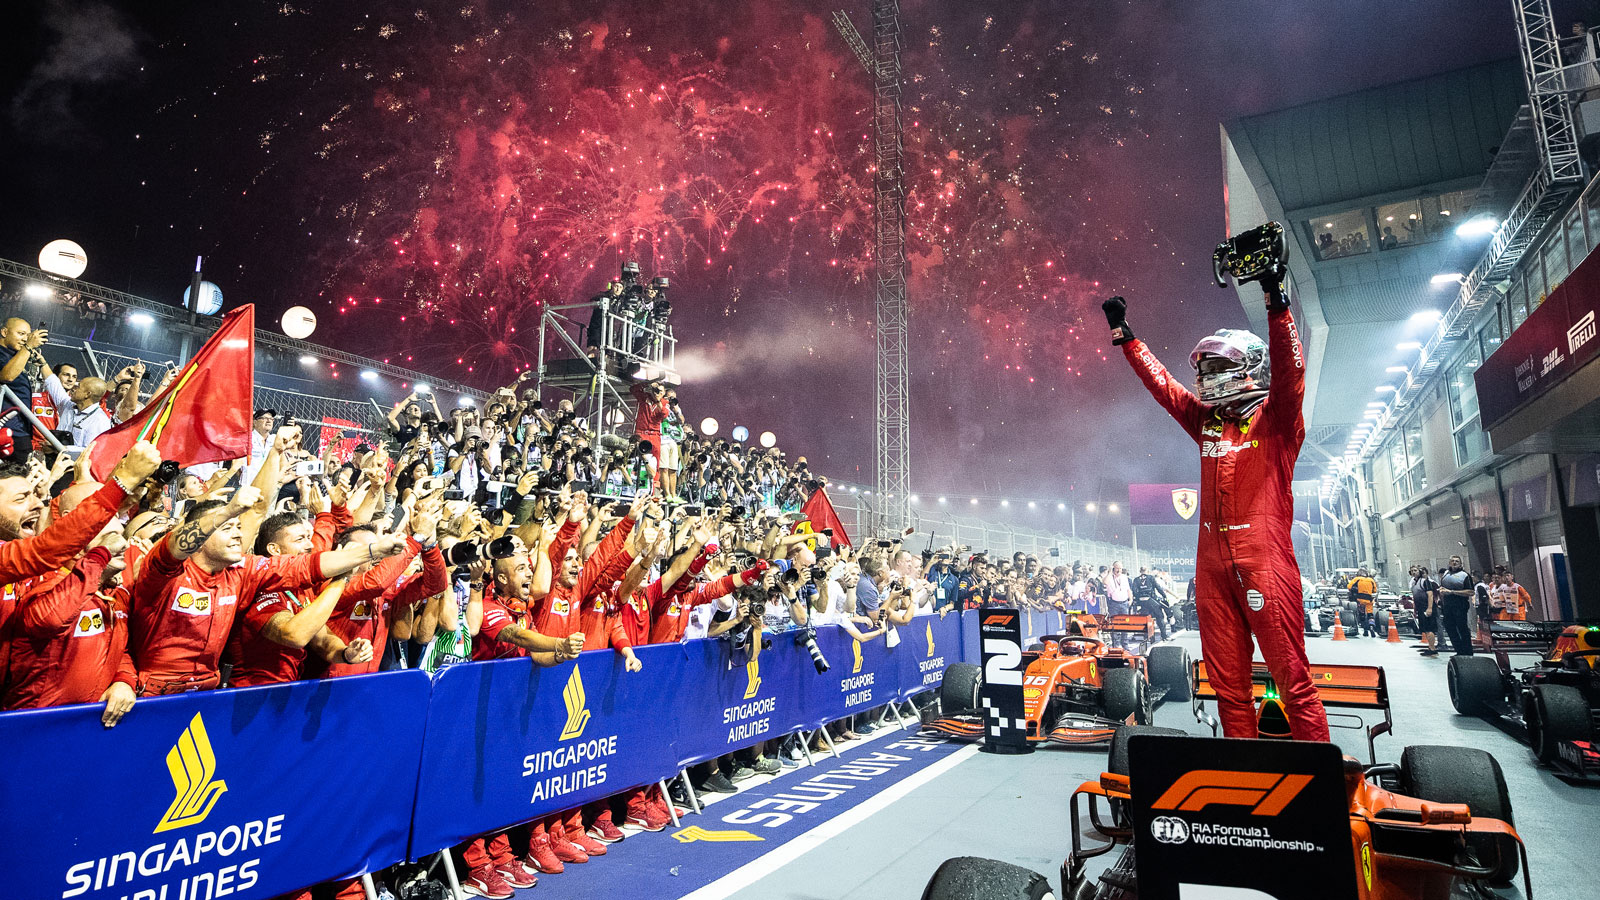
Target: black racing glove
[(1272, 289), (1116, 310)]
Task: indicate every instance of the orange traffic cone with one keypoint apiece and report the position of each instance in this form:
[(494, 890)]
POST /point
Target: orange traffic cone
[(1394, 633), (1338, 630)]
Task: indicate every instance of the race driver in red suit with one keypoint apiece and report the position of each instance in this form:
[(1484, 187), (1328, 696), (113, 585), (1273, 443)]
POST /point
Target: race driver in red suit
[(1247, 420)]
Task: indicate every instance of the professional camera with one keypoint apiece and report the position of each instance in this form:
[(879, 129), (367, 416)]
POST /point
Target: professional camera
[(1256, 255), (464, 553), (806, 636), (166, 473)]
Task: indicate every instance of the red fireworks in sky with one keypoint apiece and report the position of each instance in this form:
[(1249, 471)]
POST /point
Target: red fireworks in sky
[(474, 166)]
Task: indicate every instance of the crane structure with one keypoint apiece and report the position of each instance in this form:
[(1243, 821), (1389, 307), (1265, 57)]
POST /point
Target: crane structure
[(892, 396)]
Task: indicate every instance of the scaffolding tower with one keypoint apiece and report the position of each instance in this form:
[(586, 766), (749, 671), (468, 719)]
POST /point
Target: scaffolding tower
[(891, 508), (599, 386), (1548, 92)]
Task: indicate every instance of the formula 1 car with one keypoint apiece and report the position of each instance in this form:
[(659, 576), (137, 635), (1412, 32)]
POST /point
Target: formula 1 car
[(1388, 606), (1438, 822), (1077, 688), (1550, 703)]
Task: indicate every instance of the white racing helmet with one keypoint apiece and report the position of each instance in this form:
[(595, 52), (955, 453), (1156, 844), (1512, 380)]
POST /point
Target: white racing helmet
[(1230, 367)]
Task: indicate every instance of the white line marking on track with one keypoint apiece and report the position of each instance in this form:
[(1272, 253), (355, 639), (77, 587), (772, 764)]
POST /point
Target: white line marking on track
[(759, 868)]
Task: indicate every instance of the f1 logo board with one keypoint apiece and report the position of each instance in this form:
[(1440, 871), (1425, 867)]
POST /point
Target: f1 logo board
[(1004, 713), (1219, 817)]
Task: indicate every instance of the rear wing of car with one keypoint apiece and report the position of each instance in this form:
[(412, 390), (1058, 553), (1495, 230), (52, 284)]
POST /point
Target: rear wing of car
[(1126, 624), (1519, 637), (1338, 687)]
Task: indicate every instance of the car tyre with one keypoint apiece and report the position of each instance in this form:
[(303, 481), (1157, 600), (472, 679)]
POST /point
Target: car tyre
[(1117, 755), (1384, 617), (975, 878), (1119, 693), (1117, 763), (1169, 668), (1347, 618), (1554, 713), (958, 693), (1475, 684), (1465, 775)]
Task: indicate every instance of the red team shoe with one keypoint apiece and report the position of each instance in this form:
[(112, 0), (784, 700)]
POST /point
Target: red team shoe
[(542, 854), (660, 804), (644, 815), (518, 874), (586, 843), (564, 848), (604, 830), (487, 883)]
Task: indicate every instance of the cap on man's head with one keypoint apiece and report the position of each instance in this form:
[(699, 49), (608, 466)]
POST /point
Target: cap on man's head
[(265, 412)]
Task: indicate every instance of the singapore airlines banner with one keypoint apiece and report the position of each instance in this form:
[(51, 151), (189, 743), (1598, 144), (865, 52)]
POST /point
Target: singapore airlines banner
[(256, 792), (243, 793)]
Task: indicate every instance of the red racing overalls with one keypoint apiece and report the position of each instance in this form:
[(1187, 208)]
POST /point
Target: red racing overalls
[(1247, 580)]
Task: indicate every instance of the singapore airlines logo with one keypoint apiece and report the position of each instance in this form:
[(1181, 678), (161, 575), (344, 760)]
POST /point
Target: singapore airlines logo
[(856, 647), (192, 765), (930, 640), (577, 711), (752, 669)]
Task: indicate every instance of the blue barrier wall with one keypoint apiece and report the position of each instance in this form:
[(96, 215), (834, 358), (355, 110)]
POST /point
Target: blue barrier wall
[(508, 742), (258, 791), (246, 793)]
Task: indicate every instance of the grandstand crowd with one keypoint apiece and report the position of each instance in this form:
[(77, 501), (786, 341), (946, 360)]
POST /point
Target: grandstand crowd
[(501, 530)]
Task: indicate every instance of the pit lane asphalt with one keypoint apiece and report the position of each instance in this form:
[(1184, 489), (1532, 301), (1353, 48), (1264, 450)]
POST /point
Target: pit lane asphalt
[(1014, 808)]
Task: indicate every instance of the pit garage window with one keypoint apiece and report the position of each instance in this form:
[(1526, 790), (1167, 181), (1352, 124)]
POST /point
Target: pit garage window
[(1422, 220), (1339, 235), (1470, 440)]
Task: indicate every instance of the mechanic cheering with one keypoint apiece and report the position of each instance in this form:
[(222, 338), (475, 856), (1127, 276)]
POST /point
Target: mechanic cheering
[(1248, 581)]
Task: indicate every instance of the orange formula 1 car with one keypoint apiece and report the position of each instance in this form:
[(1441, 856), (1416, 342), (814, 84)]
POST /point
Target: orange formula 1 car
[(1077, 688), (1436, 826), (1422, 830)]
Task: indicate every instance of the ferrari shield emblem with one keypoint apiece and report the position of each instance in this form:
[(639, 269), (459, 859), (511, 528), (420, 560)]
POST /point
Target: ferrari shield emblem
[(1185, 501)]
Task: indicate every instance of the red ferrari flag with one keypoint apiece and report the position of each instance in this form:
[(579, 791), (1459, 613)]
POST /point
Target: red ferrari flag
[(819, 510), (204, 414)]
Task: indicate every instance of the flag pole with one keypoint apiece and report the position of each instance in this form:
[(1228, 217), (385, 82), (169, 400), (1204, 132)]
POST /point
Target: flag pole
[(190, 304)]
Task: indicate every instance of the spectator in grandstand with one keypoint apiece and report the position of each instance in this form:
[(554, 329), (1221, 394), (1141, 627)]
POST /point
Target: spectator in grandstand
[(23, 342), (78, 409), (184, 598), (262, 423), (35, 629), (1118, 590), (868, 596)]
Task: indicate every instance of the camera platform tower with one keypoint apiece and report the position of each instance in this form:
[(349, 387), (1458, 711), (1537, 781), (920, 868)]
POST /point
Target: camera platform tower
[(599, 385), (892, 413)]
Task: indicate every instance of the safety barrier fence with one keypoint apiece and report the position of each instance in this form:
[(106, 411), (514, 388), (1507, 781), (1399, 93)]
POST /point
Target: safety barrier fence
[(258, 791)]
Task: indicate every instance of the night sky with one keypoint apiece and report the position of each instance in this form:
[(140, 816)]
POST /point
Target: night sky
[(426, 176)]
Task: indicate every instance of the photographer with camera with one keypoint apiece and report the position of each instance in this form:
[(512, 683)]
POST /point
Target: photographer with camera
[(653, 410), (1248, 422), (670, 444)]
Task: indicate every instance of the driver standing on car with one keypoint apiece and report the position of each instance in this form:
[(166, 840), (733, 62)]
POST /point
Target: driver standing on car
[(1248, 422)]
